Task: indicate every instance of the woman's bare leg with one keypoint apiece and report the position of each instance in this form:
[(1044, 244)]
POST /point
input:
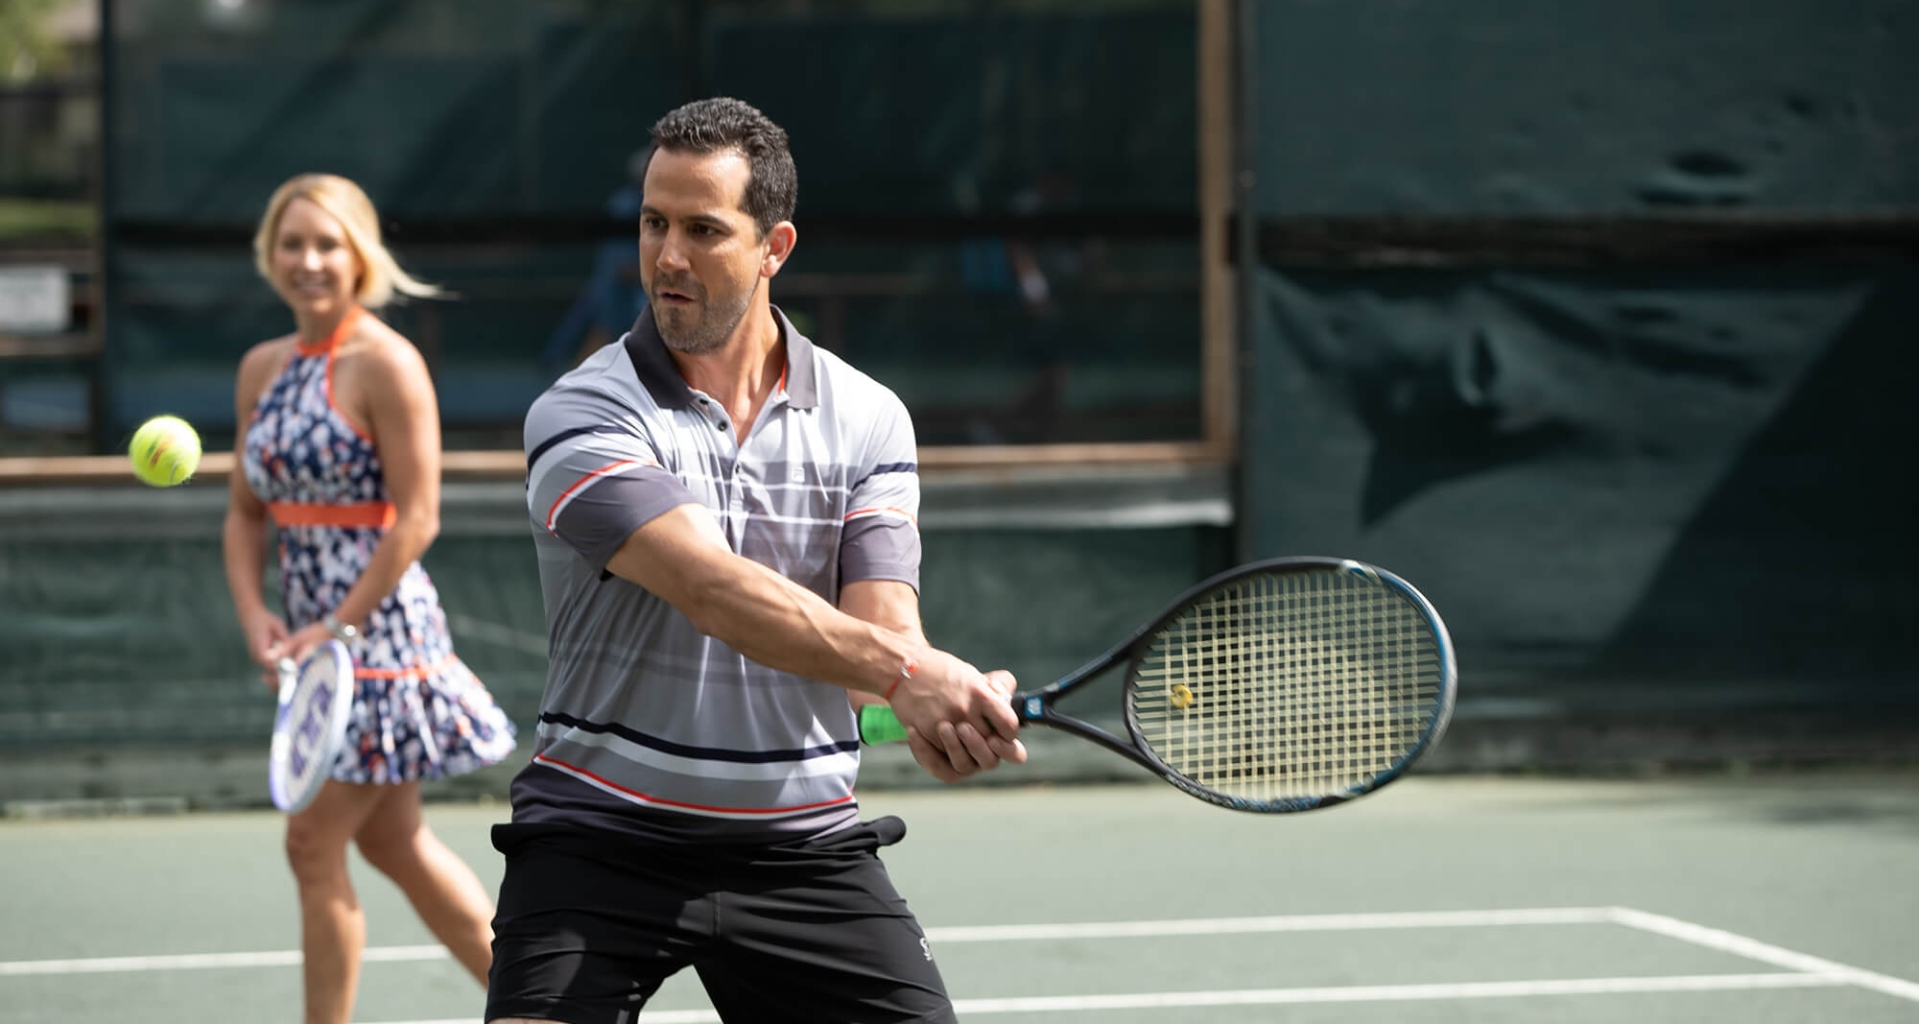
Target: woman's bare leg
[(332, 925), (443, 890)]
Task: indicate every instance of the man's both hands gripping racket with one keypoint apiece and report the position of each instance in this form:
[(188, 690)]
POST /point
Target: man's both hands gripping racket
[(1281, 685)]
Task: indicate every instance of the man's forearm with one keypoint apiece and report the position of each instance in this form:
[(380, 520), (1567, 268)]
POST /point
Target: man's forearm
[(781, 624), (888, 604)]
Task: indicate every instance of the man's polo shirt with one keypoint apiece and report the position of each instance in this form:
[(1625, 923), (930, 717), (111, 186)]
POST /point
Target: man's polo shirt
[(647, 725)]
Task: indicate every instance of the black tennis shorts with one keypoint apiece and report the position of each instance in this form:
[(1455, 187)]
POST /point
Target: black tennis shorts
[(590, 923)]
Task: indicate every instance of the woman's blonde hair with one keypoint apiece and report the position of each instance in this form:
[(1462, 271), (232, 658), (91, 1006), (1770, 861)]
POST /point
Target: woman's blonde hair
[(351, 207)]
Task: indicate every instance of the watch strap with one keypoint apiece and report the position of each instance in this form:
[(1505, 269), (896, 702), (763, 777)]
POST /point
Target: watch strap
[(342, 632)]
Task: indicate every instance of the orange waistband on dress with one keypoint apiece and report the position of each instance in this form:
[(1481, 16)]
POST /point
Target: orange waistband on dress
[(365, 513)]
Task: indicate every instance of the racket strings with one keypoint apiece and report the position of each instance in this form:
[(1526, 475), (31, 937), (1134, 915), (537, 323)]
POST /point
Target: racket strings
[(1290, 685)]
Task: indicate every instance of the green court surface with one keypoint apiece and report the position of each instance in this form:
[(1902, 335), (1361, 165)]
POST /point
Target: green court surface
[(1763, 899)]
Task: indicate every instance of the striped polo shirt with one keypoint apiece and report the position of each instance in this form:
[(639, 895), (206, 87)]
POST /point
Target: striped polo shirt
[(648, 725)]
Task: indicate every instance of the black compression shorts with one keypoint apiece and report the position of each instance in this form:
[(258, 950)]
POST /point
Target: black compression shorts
[(590, 924)]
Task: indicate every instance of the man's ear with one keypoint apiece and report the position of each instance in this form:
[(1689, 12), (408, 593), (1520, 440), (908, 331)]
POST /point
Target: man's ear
[(780, 240)]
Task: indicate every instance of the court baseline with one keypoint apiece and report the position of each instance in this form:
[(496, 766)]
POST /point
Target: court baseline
[(1799, 970)]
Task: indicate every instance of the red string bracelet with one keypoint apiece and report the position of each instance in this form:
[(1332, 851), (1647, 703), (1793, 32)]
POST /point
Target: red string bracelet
[(906, 672)]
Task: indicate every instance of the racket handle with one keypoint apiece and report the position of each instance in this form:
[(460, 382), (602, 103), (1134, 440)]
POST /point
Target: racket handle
[(878, 724)]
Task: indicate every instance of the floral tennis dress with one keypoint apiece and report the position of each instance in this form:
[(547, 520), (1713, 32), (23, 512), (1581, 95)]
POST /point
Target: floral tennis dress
[(418, 712)]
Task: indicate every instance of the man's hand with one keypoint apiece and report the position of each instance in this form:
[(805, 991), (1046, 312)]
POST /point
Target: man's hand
[(975, 738)]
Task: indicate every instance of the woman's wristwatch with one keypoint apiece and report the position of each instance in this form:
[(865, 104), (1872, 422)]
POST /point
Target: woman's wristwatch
[(341, 631)]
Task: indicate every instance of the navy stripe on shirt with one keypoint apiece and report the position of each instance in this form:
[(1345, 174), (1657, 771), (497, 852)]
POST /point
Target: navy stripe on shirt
[(702, 753), (885, 468), (544, 446)]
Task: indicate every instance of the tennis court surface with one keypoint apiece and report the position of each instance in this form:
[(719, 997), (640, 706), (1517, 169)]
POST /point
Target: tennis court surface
[(1769, 898)]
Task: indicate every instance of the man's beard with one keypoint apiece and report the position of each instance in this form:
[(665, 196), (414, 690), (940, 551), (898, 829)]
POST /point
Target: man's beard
[(709, 332)]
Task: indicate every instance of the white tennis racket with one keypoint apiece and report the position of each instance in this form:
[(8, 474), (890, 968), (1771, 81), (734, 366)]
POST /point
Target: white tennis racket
[(316, 696)]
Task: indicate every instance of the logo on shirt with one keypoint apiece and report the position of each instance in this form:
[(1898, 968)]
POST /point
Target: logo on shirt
[(925, 948)]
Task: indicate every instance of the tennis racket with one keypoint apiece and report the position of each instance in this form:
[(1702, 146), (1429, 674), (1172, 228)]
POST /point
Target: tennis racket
[(1281, 685), (316, 697)]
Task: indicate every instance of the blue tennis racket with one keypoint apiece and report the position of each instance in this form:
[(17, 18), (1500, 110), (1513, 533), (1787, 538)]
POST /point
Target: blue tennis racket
[(1278, 686), (316, 698)]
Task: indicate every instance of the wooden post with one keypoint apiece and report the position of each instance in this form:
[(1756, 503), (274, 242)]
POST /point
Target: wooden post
[(1219, 342)]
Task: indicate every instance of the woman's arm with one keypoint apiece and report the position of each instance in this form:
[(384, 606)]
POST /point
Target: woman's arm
[(403, 415)]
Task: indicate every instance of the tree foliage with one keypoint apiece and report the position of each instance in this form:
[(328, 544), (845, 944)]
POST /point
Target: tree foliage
[(27, 48)]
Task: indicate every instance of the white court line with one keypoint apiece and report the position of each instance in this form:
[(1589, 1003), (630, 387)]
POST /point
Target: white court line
[(1356, 994), (1753, 949), (203, 961), (1811, 971), (971, 933), (1291, 923)]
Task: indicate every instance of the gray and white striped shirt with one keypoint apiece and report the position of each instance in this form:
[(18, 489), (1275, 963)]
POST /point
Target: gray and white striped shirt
[(647, 725)]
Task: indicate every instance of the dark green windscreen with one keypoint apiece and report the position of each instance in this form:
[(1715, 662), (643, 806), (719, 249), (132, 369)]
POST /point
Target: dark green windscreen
[(996, 206), (1477, 107)]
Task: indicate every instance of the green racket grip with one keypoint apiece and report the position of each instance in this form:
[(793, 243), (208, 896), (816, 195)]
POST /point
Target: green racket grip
[(878, 724)]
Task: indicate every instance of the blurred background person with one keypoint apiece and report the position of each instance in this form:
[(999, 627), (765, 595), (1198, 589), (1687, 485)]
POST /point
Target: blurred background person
[(612, 297)]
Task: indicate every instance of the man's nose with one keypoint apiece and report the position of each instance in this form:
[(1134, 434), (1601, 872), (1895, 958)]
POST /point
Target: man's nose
[(672, 253)]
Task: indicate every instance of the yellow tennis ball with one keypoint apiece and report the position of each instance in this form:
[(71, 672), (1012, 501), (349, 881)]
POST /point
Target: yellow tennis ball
[(165, 451)]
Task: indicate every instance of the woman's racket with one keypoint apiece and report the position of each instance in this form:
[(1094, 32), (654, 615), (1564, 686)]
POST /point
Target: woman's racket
[(316, 697), (1281, 685)]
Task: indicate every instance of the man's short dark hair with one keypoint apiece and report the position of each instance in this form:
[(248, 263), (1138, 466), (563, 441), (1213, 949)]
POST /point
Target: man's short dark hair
[(724, 124)]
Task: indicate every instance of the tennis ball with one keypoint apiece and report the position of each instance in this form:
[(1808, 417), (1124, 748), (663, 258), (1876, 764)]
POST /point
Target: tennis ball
[(165, 451)]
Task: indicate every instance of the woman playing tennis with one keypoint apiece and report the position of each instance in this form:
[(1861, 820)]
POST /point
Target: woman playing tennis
[(340, 450)]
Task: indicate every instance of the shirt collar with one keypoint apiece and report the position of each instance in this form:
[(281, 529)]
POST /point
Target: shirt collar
[(656, 370)]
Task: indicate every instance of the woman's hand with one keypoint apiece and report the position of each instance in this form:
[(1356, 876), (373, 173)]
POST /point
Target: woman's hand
[(300, 644), (265, 632)]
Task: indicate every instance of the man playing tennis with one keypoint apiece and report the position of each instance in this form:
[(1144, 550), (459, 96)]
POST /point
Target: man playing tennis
[(725, 523)]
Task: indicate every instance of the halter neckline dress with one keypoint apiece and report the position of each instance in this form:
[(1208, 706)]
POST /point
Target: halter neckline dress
[(418, 712)]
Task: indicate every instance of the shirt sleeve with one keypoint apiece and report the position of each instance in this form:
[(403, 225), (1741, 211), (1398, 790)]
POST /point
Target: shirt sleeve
[(593, 476), (881, 537)]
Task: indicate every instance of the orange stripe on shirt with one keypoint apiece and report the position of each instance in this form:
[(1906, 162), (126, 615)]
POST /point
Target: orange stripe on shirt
[(379, 514), (554, 512), (858, 512), (646, 798)]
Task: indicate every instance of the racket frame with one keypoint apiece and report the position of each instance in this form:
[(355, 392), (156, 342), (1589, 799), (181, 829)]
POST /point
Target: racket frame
[(333, 731), (1037, 707)]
